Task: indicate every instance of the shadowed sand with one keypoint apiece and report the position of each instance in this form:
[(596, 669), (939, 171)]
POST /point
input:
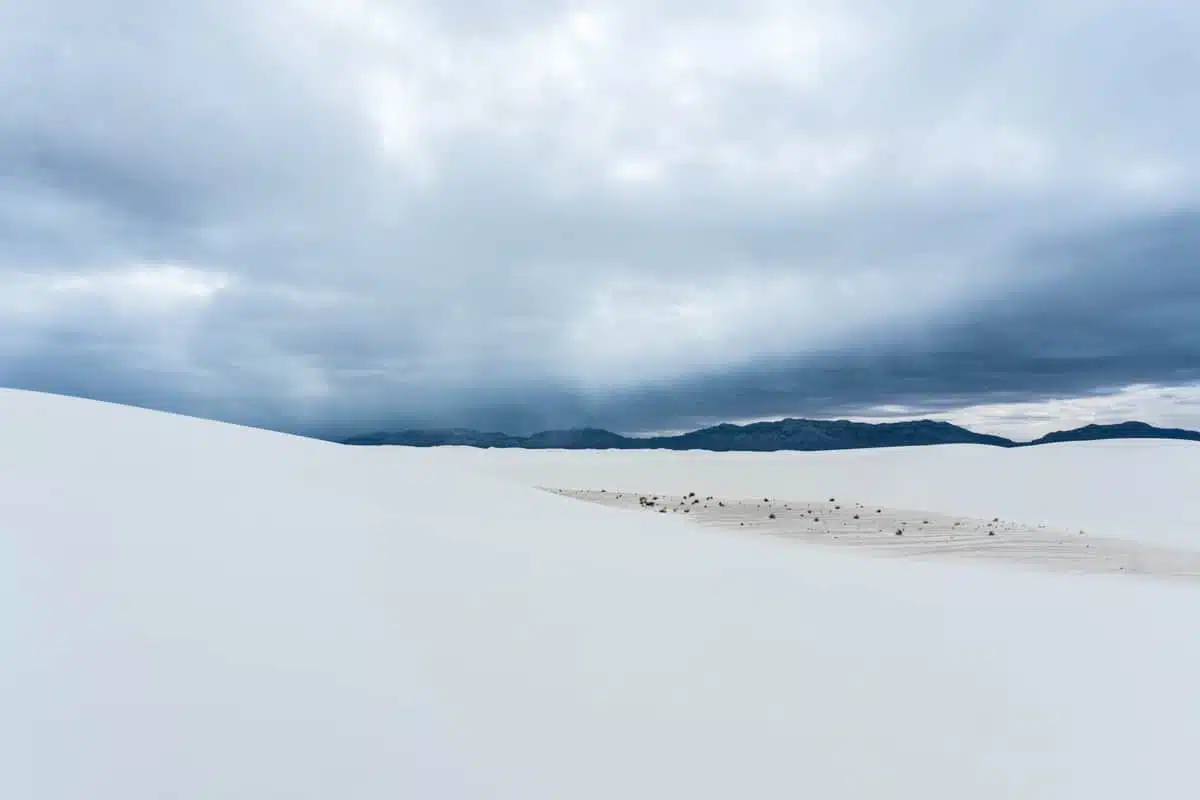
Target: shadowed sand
[(906, 533)]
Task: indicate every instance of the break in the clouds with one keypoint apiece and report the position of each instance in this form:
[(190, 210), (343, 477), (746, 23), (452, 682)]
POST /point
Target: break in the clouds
[(338, 215)]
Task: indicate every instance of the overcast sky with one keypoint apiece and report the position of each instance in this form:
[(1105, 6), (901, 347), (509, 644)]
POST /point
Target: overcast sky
[(335, 216)]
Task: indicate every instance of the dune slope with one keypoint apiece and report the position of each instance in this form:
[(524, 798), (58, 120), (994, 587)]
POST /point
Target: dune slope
[(194, 610)]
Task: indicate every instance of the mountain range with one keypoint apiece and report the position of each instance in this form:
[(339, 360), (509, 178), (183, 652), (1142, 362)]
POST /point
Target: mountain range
[(785, 434)]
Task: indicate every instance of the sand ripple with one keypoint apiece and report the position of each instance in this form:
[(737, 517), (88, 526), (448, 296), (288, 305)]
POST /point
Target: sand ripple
[(878, 530)]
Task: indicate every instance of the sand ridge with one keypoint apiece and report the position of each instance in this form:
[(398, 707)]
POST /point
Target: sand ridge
[(893, 532)]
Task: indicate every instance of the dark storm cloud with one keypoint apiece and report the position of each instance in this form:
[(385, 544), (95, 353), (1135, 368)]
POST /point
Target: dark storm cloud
[(1102, 310), (326, 216)]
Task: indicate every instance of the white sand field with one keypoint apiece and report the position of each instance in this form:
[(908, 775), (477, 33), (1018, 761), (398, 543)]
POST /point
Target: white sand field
[(196, 610)]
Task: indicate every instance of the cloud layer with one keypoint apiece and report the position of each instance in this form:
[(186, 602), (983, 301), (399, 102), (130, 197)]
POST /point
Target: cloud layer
[(333, 216)]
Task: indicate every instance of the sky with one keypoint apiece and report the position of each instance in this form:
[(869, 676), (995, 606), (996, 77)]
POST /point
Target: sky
[(338, 216)]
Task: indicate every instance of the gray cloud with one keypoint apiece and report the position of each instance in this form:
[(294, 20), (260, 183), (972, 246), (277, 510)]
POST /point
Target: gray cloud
[(333, 216)]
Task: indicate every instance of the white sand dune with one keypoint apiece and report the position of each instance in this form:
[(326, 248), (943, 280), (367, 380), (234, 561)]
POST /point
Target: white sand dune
[(195, 610)]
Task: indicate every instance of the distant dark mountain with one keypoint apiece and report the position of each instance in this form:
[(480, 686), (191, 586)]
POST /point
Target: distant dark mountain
[(580, 439), (1121, 430), (786, 434), (437, 437), (807, 434)]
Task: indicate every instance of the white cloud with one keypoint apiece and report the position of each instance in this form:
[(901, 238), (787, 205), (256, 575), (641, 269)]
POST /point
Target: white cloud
[(637, 169), (146, 287)]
